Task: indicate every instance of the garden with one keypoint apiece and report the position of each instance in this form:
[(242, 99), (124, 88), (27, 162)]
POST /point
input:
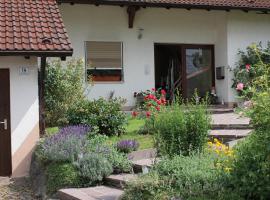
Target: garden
[(90, 140)]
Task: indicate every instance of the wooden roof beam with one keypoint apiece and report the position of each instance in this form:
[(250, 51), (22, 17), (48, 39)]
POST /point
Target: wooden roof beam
[(131, 10)]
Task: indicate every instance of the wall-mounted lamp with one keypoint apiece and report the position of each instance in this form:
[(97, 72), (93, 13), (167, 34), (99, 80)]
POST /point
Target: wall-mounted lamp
[(140, 33)]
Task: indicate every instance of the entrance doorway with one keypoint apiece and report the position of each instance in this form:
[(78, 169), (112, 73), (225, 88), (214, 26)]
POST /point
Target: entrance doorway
[(5, 132), (184, 68)]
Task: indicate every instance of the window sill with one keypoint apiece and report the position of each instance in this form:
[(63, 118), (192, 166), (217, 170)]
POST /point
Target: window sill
[(107, 82)]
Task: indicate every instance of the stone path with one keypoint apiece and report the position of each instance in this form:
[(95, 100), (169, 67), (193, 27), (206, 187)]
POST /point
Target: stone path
[(17, 189)]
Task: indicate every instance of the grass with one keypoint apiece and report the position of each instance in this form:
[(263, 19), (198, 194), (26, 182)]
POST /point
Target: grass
[(134, 125), (132, 128)]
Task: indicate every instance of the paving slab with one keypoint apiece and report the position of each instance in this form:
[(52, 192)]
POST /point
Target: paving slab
[(119, 180), (143, 154), (233, 133), (91, 193), (229, 118)]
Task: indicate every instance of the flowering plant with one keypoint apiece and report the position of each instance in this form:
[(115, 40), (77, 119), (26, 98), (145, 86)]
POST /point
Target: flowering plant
[(127, 146), (223, 154), (248, 70), (154, 100)]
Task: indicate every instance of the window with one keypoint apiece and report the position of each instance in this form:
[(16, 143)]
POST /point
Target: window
[(104, 61)]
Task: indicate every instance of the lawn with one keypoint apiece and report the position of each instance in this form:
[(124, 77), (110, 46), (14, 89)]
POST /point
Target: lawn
[(132, 128)]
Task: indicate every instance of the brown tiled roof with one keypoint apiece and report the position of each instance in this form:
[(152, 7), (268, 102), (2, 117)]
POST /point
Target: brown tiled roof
[(32, 27), (214, 4)]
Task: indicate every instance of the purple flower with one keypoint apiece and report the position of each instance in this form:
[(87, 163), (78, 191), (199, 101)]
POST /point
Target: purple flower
[(127, 146)]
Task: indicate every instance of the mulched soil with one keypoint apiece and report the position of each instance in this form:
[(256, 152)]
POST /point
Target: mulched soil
[(17, 189)]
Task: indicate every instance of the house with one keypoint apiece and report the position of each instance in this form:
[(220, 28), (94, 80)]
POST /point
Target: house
[(135, 45), (128, 46), (30, 31)]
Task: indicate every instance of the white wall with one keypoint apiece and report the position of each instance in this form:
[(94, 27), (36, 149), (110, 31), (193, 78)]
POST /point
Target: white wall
[(23, 97), (110, 23)]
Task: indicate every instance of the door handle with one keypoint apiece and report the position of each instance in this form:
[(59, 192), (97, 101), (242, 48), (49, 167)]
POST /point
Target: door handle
[(5, 124)]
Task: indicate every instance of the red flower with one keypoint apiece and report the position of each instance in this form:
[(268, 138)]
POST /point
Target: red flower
[(134, 114), (159, 102), (151, 96), (248, 66), (163, 101), (148, 114), (158, 108), (153, 89), (163, 92)]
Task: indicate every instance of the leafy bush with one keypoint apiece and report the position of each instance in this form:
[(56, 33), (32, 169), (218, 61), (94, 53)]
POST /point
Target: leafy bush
[(181, 129), (251, 167), (104, 114), (93, 168), (61, 175), (127, 146), (65, 146), (63, 87), (249, 68), (180, 177)]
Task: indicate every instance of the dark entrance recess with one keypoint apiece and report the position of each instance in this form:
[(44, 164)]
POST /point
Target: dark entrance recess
[(5, 131), (184, 68)]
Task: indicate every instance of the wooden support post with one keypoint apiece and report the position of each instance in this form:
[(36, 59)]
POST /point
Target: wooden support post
[(131, 10), (42, 75)]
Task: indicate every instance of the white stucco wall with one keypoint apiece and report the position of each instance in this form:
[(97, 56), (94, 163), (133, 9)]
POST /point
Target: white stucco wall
[(23, 98), (110, 23)]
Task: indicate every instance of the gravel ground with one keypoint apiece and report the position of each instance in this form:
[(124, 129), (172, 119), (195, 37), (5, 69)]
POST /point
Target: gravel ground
[(18, 189)]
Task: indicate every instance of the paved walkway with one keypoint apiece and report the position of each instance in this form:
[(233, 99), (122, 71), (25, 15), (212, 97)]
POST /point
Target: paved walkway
[(18, 189)]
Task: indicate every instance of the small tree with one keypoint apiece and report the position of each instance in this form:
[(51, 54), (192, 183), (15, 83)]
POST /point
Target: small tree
[(63, 88)]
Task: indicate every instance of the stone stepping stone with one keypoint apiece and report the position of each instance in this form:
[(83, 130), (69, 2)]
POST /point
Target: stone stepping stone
[(91, 193), (232, 133), (119, 180), (143, 166), (230, 121)]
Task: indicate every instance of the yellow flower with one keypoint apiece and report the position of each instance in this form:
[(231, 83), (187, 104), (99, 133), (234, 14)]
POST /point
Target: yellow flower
[(227, 169)]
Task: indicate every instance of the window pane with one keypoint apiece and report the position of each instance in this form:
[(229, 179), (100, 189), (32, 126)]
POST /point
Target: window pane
[(104, 55), (199, 71), (104, 60)]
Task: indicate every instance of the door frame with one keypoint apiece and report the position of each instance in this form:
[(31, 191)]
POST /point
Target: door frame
[(8, 162), (183, 47)]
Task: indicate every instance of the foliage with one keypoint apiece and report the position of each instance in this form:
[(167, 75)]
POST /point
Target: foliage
[(119, 161), (182, 177), (106, 115), (127, 146), (181, 129), (65, 146), (250, 68), (61, 175), (251, 167), (93, 168), (63, 87)]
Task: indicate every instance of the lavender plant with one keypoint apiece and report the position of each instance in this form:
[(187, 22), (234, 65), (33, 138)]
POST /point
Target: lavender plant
[(66, 145), (127, 146)]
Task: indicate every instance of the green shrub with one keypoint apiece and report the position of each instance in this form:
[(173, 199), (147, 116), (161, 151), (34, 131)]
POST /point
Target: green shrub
[(249, 68), (119, 161), (180, 130), (61, 175), (251, 167), (63, 88), (93, 168), (106, 115), (182, 177)]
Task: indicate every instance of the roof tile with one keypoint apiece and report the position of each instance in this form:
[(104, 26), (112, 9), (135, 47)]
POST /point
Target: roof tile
[(24, 24)]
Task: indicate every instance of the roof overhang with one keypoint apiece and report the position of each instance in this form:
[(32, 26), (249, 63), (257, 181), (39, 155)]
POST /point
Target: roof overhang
[(37, 53), (163, 5)]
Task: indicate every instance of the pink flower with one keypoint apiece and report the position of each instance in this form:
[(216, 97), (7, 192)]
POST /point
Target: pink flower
[(240, 86), (248, 66), (153, 89), (158, 108), (134, 114), (148, 114), (163, 92)]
